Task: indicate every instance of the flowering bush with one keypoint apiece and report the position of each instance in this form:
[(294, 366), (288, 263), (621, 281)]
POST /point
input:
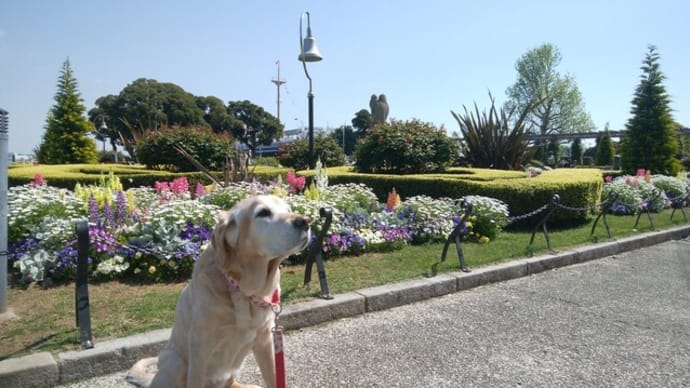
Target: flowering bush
[(635, 193), (157, 233), (489, 215), (673, 187)]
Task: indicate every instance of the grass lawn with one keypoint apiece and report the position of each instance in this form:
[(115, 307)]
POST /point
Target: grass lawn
[(46, 317)]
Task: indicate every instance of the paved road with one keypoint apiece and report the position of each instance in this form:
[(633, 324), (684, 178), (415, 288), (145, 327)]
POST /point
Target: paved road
[(622, 321)]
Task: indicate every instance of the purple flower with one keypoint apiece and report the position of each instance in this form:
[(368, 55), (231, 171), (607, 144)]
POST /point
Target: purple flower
[(196, 233), (20, 248), (396, 233), (120, 208), (94, 215), (108, 215), (67, 257), (459, 222), (101, 240)]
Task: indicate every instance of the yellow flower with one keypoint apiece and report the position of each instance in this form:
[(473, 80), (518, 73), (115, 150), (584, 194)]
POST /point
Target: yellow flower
[(203, 247), (152, 270), (468, 224), (137, 255), (484, 240)]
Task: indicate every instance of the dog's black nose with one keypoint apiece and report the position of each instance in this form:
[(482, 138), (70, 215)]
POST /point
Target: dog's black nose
[(301, 222)]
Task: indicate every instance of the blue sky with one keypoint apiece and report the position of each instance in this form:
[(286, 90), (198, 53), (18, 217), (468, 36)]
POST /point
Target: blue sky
[(428, 57)]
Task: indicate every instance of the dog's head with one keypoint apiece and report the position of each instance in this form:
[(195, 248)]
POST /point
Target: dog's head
[(255, 236)]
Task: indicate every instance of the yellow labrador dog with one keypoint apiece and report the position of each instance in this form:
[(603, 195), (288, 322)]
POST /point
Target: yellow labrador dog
[(225, 310)]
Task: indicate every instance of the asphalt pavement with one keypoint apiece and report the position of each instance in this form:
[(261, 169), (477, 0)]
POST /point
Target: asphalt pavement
[(619, 321)]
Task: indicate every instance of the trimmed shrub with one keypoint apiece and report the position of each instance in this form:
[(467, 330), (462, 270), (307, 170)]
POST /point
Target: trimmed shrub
[(156, 150), (66, 176), (296, 154), (578, 188), (401, 147)]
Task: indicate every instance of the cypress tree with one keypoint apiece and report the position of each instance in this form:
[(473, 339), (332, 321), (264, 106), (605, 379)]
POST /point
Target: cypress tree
[(576, 152), (605, 149), (650, 142), (65, 140)]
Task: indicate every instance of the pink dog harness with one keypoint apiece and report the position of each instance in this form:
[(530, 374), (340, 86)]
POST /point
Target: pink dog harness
[(257, 301)]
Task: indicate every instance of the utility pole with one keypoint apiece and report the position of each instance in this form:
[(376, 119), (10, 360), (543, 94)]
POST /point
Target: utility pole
[(278, 83), (4, 161)]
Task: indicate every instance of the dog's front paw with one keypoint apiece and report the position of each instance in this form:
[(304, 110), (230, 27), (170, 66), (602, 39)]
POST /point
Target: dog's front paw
[(232, 383)]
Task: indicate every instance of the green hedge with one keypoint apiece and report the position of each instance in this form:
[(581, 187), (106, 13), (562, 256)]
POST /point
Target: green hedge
[(68, 175), (577, 188)]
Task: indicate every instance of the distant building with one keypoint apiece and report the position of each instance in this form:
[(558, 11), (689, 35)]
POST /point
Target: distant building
[(16, 157), (289, 136)]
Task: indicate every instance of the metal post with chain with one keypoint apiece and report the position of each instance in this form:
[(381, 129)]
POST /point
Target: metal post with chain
[(645, 205), (81, 294), (606, 206), (679, 203), (316, 255), (457, 234)]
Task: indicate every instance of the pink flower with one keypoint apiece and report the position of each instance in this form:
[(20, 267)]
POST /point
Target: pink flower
[(161, 187), (296, 183), (199, 190), (632, 181), (39, 181), (179, 185), (640, 172), (608, 179)]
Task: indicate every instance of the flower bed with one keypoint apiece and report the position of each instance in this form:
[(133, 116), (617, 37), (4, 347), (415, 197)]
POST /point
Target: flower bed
[(157, 233), (643, 191)]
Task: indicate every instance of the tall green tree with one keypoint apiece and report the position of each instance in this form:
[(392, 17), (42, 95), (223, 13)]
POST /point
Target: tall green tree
[(345, 137), (362, 121), (651, 140), (217, 116), (260, 127), (605, 148), (65, 140), (576, 152), (146, 105), (561, 108)]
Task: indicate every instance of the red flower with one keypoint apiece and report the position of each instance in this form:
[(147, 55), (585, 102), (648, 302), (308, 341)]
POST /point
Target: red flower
[(296, 183)]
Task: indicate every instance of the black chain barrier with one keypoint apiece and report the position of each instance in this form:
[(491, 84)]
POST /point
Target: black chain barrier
[(645, 205), (456, 236), (605, 207), (677, 203), (680, 202), (551, 206)]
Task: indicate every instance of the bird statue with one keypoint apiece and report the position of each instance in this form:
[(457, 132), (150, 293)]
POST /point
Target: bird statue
[(379, 109)]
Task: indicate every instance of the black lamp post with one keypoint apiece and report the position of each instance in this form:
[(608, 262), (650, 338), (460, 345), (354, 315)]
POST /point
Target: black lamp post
[(309, 53), (103, 130)]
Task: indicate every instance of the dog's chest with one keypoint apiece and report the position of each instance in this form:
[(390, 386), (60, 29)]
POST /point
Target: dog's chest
[(247, 314)]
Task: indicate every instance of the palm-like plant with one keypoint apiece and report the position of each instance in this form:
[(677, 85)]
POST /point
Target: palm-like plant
[(492, 140)]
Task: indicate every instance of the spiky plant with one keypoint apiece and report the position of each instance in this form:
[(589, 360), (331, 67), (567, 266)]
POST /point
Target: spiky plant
[(492, 140)]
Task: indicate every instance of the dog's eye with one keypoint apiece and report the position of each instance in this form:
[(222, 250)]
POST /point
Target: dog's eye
[(264, 213)]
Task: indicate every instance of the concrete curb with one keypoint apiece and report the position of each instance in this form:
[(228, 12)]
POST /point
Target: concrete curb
[(44, 369)]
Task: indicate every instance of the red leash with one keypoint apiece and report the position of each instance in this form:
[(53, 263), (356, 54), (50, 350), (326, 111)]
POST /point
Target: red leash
[(279, 357), (281, 381)]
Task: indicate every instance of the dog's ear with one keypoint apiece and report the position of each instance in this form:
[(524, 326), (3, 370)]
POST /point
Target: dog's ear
[(224, 236)]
